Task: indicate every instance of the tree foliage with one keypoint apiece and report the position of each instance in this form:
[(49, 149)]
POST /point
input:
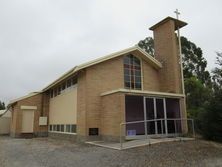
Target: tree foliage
[(194, 64), (2, 105), (210, 120), (217, 73), (197, 94), (148, 45)]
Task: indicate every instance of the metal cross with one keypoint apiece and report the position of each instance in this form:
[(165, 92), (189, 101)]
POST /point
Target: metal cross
[(177, 14)]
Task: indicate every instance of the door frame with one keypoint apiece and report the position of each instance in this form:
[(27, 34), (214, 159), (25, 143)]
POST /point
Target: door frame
[(155, 114), (31, 123)]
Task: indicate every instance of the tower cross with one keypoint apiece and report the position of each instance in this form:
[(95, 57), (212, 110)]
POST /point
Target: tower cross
[(177, 13)]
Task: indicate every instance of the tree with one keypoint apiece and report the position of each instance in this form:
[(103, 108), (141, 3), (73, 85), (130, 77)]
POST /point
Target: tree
[(197, 94), (210, 120), (2, 105), (148, 45), (194, 64), (217, 73)]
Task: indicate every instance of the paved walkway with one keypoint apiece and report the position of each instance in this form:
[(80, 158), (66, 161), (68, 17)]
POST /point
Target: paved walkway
[(136, 143)]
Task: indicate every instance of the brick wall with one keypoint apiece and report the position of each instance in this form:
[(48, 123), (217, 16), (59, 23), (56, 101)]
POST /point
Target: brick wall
[(113, 113), (41, 101), (98, 79), (166, 51)]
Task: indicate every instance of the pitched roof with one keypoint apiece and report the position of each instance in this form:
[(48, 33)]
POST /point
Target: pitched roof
[(24, 97), (155, 63)]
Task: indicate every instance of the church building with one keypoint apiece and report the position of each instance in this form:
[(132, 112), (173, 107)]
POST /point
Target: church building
[(91, 100)]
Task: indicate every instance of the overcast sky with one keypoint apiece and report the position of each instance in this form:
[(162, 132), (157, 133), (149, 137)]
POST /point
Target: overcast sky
[(42, 39)]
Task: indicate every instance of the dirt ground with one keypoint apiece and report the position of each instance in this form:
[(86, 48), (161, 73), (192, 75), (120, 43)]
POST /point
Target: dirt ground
[(47, 152)]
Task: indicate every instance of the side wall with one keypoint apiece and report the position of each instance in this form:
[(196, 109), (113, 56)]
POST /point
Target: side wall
[(5, 125), (91, 83), (63, 108), (98, 79), (40, 101), (113, 113)]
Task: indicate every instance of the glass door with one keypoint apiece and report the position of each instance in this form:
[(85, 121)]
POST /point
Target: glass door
[(150, 115), (155, 109), (160, 115)]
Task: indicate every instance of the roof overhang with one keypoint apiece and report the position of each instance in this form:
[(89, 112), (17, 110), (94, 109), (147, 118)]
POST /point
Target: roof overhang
[(145, 93), (178, 23)]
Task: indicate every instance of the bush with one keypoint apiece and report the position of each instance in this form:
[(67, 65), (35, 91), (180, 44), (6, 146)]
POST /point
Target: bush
[(210, 120)]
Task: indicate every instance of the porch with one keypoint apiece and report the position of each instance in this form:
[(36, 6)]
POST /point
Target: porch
[(153, 116)]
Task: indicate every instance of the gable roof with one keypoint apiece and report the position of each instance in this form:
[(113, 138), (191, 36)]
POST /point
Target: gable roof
[(151, 60), (23, 97)]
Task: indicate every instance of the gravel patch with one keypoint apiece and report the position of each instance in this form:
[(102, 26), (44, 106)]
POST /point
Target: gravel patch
[(47, 152)]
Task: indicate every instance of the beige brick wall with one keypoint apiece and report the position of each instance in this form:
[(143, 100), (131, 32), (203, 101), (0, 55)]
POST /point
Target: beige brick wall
[(98, 79), (37, 100), (166, 51), (91, 83), (113, 113), (81, 104), (150, 78)]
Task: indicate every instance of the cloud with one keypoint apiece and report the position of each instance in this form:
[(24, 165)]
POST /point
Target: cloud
[(40, 40)]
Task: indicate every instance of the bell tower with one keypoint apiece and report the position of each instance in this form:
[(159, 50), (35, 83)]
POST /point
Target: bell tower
[(167, 51)]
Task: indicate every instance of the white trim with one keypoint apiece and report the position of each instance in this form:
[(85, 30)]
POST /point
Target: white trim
[(150, 93), (28, 107)]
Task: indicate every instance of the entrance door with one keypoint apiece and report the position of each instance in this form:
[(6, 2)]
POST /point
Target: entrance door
[(150, 115), (155, 109), (27, 121)]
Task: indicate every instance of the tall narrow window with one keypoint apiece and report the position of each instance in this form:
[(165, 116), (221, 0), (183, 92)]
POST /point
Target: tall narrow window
[(132, 72)]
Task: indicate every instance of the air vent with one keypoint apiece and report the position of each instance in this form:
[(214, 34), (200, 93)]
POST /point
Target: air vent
[(93, 131)]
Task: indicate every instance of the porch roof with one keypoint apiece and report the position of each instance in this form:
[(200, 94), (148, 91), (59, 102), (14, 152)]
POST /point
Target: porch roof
[(147, 93)]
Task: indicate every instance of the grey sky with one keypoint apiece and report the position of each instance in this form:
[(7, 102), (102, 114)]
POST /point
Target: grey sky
[(42, 39)]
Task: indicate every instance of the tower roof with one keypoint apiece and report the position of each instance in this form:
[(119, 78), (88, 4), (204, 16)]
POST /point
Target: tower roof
[(178, 23)]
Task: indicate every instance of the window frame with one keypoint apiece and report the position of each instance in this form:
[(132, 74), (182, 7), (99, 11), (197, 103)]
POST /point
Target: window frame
[(127, 72), (62, 128)]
